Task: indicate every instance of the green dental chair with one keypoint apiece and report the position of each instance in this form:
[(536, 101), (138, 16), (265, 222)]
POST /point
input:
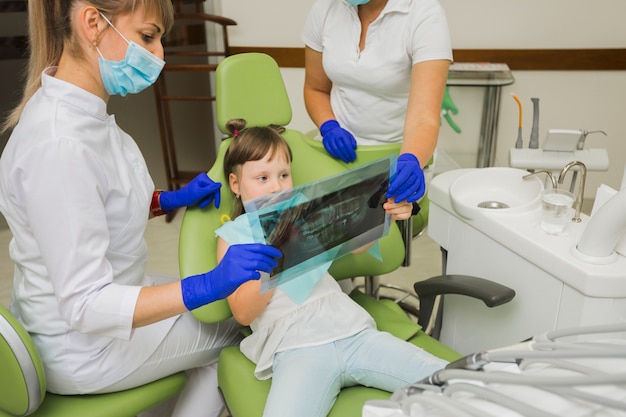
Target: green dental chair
[(250, 86), (23, 384)]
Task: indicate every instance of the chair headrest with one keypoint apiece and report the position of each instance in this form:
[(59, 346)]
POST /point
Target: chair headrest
[(250, 86)]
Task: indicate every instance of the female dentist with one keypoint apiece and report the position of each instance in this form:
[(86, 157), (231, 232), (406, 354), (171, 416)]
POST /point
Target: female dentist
[(76, 193)]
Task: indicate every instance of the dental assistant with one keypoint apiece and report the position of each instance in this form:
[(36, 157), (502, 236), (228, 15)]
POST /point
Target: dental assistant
[(76, 193), (375, 73)]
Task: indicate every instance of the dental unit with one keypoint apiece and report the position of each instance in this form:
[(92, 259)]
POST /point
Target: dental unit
[(575, 278), (549, 375)]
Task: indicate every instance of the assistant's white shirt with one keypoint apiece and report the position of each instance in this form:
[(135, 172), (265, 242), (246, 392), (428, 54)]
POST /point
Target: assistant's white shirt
[(75, 191), (371, 87)]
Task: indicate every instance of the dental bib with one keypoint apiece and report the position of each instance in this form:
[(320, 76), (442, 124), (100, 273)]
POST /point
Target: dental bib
[(239, 231)]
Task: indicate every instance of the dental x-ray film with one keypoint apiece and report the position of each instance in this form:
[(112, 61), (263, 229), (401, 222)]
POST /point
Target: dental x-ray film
[(319, 222)]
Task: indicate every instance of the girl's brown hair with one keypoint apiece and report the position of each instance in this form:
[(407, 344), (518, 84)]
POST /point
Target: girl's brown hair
[(252, 144), (50, 33)]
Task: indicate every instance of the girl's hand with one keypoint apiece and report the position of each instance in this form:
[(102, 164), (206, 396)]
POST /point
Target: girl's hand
[(398, 211)]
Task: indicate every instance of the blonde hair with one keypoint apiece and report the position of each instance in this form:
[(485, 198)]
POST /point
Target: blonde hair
[(50, 34), (252, 144)]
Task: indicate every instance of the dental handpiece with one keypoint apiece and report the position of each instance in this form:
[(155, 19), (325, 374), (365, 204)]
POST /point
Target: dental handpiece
[(534, 133)]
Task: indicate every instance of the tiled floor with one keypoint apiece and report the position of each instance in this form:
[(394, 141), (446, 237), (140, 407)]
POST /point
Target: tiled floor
[(162, 238)]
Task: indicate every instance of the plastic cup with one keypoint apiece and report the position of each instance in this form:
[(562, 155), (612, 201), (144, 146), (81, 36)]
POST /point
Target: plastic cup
[(556, 207)]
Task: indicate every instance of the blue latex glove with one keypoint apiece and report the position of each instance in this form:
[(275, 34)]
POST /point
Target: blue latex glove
[(339, 143), (240, 264), (408, 182), (201, 190)]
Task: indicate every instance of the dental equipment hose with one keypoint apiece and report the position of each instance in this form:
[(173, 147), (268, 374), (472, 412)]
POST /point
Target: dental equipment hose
[(443, 376), (552, 335), (519, 143), (465, 367), (546, 341), (582, 395), (534, 133), (497, 398)]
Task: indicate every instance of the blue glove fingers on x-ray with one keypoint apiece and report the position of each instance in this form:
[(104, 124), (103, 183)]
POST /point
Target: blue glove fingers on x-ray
[(240, 264), (338, 142), (408, 182), (201, 189)]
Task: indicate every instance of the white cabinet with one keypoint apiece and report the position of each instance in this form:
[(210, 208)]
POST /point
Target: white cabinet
[(553, 288)]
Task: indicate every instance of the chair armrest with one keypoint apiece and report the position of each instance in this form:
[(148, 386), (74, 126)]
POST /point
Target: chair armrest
[(491, 293)]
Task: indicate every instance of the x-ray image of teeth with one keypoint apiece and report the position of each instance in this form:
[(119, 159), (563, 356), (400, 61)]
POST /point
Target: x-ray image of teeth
[(325, 220)]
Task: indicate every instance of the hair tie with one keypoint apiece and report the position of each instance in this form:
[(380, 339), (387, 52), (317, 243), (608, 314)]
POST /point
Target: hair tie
[(235, 133)]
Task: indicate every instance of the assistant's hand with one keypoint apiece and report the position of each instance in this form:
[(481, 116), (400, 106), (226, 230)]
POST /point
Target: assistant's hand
[(240, 264), (408, 182), (201, 190), (339, 143)]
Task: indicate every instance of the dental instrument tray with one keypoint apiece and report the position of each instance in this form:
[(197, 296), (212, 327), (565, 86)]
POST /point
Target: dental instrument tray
[(595, 159), (562, 140)]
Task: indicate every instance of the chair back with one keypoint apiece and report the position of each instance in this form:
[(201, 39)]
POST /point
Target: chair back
[(250, 86), (22, 377)]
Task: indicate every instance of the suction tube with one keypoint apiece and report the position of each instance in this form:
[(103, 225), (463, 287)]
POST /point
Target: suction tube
[(519, 143), (534, 133)]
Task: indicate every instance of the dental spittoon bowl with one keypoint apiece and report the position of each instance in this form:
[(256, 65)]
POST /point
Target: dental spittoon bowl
[(495, 189)]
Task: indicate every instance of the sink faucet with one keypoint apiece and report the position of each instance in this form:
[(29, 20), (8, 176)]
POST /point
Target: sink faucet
[(543, 171), (581, 189)]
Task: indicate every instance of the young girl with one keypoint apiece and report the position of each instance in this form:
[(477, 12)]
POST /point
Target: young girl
[(327, 341)]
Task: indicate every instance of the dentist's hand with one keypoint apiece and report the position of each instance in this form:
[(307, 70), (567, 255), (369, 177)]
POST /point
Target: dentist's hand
[(240, 264), (408, 182), (339, 143), (201, 190)]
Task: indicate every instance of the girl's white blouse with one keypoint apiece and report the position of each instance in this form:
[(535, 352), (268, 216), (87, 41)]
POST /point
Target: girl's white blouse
[(328, 314)]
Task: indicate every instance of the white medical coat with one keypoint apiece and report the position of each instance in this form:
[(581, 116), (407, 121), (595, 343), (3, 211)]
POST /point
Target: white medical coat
[(75, 191)]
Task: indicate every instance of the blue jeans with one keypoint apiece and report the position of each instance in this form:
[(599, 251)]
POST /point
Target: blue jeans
[(306, 381)]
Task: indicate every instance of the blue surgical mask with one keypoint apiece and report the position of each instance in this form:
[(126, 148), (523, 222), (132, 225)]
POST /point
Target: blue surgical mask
[(357, 2), (137, 71)]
